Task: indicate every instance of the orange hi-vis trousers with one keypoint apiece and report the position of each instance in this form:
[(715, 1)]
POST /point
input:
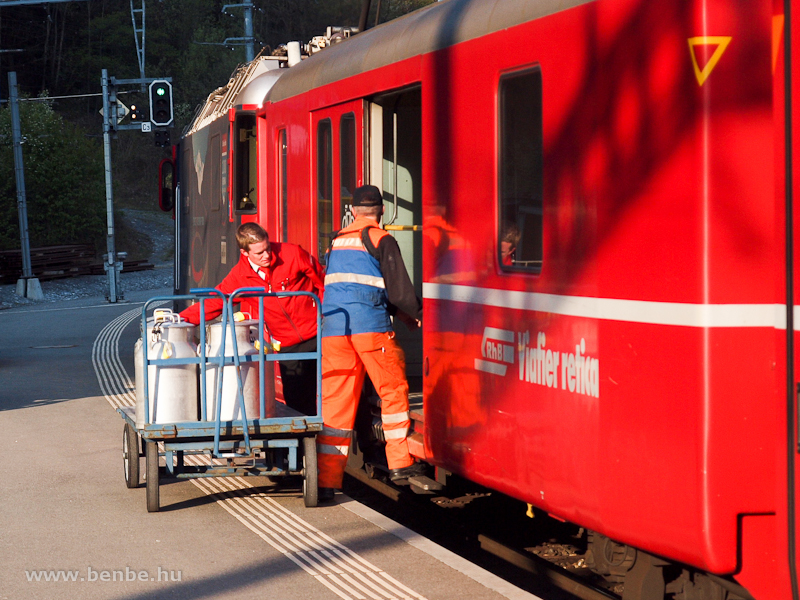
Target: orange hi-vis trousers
[(345, 359)]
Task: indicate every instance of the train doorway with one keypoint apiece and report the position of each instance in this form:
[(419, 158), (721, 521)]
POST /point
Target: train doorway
[(395, 166)]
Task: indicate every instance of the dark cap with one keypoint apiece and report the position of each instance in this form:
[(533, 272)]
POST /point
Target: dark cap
[(367, 195)]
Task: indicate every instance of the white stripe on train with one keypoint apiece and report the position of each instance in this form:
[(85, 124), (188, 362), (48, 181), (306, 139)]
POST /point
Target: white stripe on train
[(611, 309)]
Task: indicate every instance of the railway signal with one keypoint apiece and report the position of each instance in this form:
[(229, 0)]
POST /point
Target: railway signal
[(161, 103), (136, 114), (162, 137), (161, 115)]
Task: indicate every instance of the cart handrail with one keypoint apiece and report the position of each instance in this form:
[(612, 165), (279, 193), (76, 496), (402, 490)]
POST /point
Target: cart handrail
[(202, 358), (261, 294)]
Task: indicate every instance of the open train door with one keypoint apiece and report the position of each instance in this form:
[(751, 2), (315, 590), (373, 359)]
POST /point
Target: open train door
[(376, 142), (395, 167), (338, 139)]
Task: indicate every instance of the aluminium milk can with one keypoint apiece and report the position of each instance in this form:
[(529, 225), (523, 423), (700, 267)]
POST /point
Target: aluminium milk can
[(230, 407), (172, 388)]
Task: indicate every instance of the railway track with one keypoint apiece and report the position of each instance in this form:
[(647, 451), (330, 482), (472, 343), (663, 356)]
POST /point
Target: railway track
[(55, 262), (464, 524)]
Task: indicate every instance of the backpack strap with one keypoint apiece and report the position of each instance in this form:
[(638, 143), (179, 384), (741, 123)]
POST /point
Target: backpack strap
[(324, 258), (365, 239)]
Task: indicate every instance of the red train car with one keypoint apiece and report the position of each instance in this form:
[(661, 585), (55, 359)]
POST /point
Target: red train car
[(596, 200)]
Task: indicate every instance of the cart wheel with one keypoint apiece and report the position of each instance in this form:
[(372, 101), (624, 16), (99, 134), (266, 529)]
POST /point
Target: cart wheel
[(130, 456), (310, 487), (151, 462)]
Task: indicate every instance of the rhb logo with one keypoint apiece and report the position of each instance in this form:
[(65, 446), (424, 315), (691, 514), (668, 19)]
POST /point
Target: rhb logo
[(574, 371), (497, 350)]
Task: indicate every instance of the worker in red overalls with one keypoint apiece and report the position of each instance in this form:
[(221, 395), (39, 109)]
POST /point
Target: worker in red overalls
[(365, 283), (291, 321)]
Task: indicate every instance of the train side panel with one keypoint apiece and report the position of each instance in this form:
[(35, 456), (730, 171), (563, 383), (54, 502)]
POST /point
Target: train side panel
[(615, 387)]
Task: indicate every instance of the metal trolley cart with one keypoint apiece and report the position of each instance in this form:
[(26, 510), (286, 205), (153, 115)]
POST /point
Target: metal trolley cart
[(278, 442)]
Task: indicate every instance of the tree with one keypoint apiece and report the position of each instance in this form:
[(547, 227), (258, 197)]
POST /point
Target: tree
[(63, 179)]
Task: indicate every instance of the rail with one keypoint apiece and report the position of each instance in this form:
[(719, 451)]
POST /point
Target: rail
[(56, 262)]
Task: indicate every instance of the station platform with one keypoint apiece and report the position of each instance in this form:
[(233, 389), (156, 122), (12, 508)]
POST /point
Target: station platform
[(72, 529)]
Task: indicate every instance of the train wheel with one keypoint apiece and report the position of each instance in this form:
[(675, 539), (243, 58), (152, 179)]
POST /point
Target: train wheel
[(151, 465), (310, 472), (130, 456)]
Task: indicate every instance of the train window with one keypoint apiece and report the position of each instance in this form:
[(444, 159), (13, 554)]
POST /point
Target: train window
[(282, 152), (519, 243), (223, 163), (213, 159), (324, 187), (246, 157), (347, 166)]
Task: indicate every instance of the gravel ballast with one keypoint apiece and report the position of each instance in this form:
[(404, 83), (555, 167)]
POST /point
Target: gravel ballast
[(158, 226)]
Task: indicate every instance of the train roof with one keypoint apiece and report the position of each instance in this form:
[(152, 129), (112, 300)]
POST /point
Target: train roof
[(432, 28), (249, 84)]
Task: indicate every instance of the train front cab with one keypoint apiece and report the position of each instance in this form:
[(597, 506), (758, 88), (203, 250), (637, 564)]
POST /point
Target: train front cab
[(218, 191)]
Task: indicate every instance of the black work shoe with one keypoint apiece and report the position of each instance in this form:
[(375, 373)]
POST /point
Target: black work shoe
[(406, 472), (325, 495)]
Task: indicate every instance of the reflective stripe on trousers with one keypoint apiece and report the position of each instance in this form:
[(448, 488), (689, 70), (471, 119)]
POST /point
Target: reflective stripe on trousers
[(395, 425), (334, 442), (345, 360)]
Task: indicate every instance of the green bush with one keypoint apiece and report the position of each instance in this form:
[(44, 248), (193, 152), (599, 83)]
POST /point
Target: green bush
[(64, 179)]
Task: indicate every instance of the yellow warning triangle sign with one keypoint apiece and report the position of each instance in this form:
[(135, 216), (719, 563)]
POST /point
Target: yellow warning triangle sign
[(720, 42)]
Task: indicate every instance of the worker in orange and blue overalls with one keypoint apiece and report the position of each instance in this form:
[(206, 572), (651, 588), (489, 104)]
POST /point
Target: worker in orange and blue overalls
[(366, 282)]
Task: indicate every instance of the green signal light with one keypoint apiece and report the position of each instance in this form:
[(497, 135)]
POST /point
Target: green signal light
[(161, 91)]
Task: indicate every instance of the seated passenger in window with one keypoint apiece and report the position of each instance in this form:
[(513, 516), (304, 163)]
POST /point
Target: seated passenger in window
[(508, 244)]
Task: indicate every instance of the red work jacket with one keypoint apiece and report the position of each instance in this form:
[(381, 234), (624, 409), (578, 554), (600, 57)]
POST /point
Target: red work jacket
[(289, 320)]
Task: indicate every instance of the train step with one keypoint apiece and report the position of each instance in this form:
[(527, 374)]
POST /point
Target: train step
[(424, 485)]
